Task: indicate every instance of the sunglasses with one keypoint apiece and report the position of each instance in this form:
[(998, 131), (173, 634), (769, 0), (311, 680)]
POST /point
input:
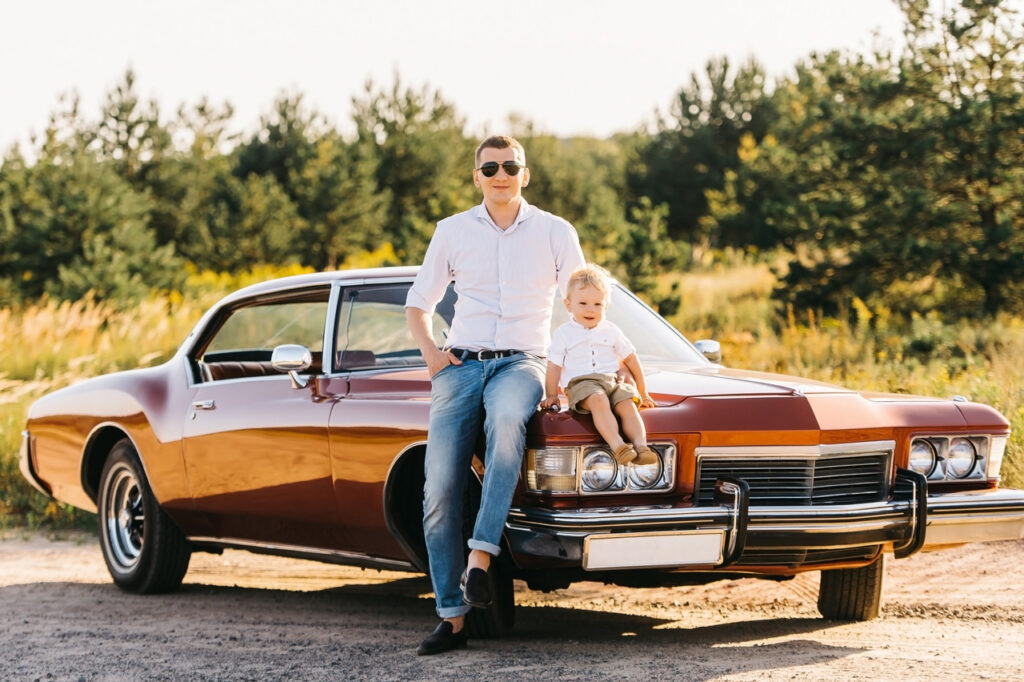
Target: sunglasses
[(490, 169)]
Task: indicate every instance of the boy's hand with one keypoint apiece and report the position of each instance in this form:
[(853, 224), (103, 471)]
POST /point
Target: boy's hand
[(647, 401), (549, 402)]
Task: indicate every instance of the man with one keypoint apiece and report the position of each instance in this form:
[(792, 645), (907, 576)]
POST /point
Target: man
[(506, 259)]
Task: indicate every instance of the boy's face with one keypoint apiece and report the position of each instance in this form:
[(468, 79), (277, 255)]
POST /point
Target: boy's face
[(586, 305)]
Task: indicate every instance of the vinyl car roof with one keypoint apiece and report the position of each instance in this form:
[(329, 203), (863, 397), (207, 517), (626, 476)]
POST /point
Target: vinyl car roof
[(324, 278)]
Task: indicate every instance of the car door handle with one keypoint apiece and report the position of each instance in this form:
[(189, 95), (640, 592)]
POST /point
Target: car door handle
[(204, 405)]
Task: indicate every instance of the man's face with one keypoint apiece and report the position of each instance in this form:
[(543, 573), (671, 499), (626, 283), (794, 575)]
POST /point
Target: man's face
[(501, 188), (586, 305)]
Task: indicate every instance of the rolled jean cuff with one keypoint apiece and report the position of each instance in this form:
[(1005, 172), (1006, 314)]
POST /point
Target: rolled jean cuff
[(452, 611), (493, 550)]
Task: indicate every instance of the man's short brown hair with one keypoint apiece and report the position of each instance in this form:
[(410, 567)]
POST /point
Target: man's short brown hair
[(501, 142)]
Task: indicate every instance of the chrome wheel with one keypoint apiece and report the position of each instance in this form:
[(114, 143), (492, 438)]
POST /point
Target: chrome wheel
[(124, 517), (144, 550)]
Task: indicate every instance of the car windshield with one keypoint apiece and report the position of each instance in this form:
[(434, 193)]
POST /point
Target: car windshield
[(372, 332), (656, 341)]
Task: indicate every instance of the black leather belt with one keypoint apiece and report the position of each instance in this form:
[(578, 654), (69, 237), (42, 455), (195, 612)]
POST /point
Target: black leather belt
[(463, 354)]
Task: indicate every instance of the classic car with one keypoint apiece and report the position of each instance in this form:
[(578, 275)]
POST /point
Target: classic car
[(292, 421)]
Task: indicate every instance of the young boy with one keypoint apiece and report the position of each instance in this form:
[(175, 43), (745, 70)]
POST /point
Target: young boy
[(584, 357)]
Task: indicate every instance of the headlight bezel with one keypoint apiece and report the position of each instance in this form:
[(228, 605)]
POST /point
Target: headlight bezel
[(928, 460), (961, 457), (621, 482), (598, 470), (946, 468)]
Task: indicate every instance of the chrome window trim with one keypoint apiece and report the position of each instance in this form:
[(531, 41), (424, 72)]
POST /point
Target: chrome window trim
[(327, 344), (188, 346), (335, 311), (235, 380)]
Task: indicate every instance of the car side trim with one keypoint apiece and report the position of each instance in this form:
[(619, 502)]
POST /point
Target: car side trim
[(25, 463), (334, 556)]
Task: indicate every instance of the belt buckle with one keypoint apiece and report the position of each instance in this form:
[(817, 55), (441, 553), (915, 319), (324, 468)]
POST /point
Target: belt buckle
[(487, 354)]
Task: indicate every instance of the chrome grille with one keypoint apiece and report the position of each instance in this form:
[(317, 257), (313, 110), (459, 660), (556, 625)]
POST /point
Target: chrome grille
[(818, 475)]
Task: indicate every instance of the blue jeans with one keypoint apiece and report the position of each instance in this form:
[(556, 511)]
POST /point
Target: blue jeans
[(501, 395)]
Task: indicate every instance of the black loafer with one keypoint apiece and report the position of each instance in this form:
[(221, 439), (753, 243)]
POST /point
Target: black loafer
[(476, 588), (442, 639)]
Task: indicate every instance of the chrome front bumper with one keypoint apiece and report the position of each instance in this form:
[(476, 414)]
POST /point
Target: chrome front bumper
[(561, 537)]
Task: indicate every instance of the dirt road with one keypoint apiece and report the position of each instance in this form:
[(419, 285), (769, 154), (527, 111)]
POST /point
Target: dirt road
[(949, 615)]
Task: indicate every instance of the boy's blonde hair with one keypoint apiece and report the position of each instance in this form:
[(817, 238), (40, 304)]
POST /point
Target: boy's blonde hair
[(590, 275)]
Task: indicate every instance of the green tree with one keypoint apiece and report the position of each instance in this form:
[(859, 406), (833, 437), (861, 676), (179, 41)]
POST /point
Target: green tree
[(339, 208), (75, 226), (581, 179), (896, 178), (129, 134), (696, 145), (338, 199), (424, 160)]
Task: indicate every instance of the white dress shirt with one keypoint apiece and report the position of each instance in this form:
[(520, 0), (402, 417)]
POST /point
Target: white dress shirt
[(578, 350), (505, 279)]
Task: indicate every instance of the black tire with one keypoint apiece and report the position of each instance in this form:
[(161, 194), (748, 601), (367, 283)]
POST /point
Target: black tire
[(144, 551), (852, 593), (499, 618)]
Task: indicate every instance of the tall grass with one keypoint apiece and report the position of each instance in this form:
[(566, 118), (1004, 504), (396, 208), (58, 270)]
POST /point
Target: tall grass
[(50, 344)]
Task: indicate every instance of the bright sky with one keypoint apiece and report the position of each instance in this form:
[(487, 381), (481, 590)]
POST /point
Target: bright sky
[(571, 66)]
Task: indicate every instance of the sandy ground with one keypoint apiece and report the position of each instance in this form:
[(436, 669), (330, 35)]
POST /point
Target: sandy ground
[(957, 614)]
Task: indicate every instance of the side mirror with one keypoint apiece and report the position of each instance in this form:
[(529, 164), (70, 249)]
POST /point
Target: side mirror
[(712, 350), (292, 358)]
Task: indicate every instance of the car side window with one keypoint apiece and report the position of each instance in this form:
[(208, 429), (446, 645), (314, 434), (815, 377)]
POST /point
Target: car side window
[(245, 341), (372, 331)]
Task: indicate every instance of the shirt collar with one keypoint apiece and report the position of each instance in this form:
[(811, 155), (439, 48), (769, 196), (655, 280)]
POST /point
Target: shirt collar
[(577, 325), (525, 211)]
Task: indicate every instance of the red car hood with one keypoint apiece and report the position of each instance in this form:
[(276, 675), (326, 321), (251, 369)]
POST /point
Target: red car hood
[(674, 385), (730, 406)]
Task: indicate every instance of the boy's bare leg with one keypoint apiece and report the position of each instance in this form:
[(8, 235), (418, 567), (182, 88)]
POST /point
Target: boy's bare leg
[(604, 419), (632, 425), (636, 433)]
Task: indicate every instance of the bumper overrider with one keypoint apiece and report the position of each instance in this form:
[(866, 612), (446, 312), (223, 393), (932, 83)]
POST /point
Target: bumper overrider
[(716, 536)]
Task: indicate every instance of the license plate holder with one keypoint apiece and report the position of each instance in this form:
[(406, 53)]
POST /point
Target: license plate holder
[(616, 551)]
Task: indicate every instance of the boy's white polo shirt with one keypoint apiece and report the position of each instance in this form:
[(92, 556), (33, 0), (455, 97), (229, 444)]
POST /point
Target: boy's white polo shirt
[(578, 350)]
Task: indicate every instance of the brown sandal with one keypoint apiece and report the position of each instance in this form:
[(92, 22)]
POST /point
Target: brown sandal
[(624, 454), (645, 456)]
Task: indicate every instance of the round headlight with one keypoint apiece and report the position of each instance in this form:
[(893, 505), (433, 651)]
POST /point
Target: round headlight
[(599, 469), (922, 457), (645, 476), (961, 458)]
